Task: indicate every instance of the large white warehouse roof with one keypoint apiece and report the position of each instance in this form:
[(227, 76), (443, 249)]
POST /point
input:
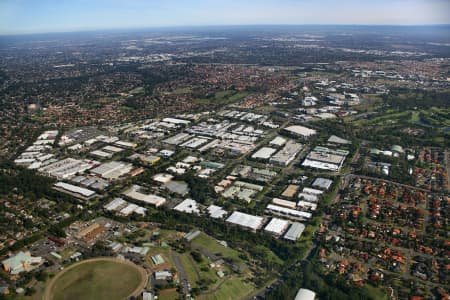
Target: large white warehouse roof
[(245, 220)]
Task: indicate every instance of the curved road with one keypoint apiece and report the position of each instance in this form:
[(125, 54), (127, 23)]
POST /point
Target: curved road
[(48, 290)]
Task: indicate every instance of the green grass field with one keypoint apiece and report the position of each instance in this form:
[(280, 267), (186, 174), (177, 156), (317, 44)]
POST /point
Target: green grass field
[(180, 91), (232, 289), (432, 117), (376, 293), (266, 109), (172, 295), (97, 280), (137, 91), (189, 269), (213, 246), (223, 97), (206, 242)]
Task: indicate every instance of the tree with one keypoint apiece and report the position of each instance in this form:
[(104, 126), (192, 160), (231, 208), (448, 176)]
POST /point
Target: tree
[(197, 256)]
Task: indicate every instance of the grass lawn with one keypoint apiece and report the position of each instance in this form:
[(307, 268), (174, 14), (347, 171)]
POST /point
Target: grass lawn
[(189, 268), (223, 97), (377, 293), (184, 90), (165, 253), (266, 109), (436, 117), (370, 103), (232, 289), (97, 280), (414, 117), (208, 273), (165, 234), (389, 117), (208, 243), (223, 94), (170, 295), (137, 91)]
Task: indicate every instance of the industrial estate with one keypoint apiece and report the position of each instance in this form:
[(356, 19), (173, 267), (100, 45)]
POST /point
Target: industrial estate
[(200, 166)]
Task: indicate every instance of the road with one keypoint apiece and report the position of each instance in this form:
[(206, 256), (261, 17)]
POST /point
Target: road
[(181, 272)]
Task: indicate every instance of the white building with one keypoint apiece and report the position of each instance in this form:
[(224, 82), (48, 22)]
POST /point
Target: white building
[(305, 294), (286, 155), (216, 212), (134, 192), (264, 153), (162, 178), (112, 170), (21, 262), (288, 213), (301, 131), (74, 190), (294, 232), (309, 101), (276, 226), (245, 220), (322, 183), (285, 203), (188, 206), (278, 141)]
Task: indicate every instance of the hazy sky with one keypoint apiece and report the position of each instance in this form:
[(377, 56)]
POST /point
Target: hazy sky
[(31, 16)]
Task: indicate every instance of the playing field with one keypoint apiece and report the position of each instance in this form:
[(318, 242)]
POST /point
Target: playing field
[(95, 279)]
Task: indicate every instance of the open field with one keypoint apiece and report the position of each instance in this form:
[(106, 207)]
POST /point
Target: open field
[(171, 294), (232, 288), (179, 91), (137, 91), (189, 269), (265, 109), (433, 117), (185, 90), (370, 103), (206, 242), (98, 278), (376, 292), (229, 287), (223, 97)]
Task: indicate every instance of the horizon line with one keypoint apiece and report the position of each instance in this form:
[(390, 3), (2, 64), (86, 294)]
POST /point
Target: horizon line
[(109, 29)]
